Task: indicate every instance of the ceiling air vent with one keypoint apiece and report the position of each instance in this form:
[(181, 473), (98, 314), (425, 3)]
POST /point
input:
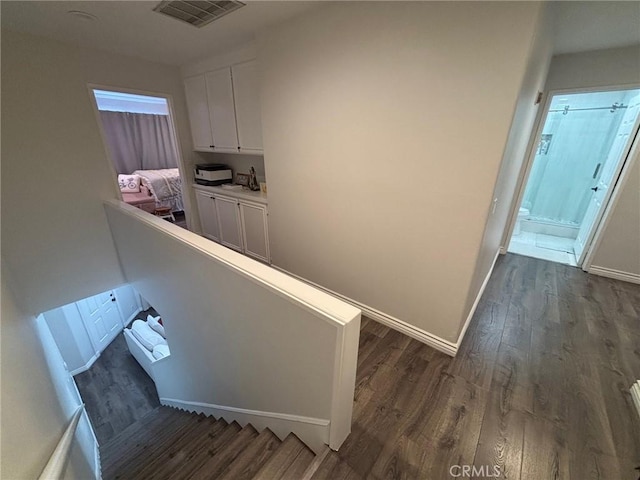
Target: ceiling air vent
[(198, 13)]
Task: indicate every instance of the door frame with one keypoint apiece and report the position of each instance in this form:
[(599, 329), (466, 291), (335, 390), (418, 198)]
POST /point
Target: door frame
[(523, 177), (184, 173)]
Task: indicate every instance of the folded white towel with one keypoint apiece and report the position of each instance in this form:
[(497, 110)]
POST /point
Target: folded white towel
[(156, 325), (160, 351), (146, 336)]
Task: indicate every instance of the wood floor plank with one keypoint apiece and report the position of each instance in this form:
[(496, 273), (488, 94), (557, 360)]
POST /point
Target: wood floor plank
[(281, 459), (500, 445), (251, 459), (545, 453), (452, 430)]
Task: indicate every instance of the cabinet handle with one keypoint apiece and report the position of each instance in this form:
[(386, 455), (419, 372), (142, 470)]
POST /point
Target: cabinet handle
[(212, 146)]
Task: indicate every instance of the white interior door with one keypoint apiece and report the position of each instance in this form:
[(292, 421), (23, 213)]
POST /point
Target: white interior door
[(101, 318), (610, 171)]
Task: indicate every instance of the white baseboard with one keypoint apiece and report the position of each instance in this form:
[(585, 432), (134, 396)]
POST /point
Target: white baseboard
[(314, 432), (615, 274), (98, 466), (477, 300), (86, 367), (423, 336)]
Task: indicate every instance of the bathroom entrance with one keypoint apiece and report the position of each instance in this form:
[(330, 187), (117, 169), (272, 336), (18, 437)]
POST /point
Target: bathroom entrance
[(581, 149)]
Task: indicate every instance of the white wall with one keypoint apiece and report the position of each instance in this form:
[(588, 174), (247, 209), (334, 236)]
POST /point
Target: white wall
[(241, 334), (71, 336), (32, 417), (514, 154), (55, 174), (619, 248), (384, 125)]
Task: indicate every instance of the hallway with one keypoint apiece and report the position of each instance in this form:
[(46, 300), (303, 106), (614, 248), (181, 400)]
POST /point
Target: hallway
[(540, 386)]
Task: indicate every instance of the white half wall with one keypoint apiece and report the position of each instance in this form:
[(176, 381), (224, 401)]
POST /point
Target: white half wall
[(55, 172), (243, 337), (384, 126), (618, 249)]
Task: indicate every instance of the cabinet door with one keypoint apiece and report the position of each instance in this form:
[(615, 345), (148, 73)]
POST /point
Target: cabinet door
[(254, 229), (229, 220), (208, 215), (195, 90), (247, 99), (101, 318), (222, 112)]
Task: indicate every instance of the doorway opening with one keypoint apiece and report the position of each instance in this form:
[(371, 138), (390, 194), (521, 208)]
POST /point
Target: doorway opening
[(139, 134), (582, 146)]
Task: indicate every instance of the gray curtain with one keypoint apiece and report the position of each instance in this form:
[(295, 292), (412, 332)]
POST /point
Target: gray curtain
[(139, 141)]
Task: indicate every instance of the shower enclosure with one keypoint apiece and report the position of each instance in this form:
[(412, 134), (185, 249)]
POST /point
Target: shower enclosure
[(583, 141)]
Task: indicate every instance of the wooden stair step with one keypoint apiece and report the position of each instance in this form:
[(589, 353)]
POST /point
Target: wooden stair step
[(216, 464), (128, 451), (138, 431), (202, 452), (129, 465), (315, 464), (173, 453), (299, 466), (251, 459), (282, 458), (334, 468), (180, 465)]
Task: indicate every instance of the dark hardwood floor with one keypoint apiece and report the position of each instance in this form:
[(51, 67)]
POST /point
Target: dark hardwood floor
[(116, 390), (538, 390)]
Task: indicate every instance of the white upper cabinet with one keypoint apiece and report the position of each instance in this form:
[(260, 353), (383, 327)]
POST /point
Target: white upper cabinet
[(222, 114), (224, 110), (247, 100), (195, 90)]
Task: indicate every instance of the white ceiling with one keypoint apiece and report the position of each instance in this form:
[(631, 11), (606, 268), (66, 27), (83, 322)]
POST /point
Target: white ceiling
[(584, 26), (133, 28)]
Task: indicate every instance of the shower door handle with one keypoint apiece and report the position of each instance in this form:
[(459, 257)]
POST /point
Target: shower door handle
[(595, 189)]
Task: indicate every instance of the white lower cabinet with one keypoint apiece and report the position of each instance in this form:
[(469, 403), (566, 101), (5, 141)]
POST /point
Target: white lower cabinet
[(208, 215), (229, 221), (235, 223), (254, 229)]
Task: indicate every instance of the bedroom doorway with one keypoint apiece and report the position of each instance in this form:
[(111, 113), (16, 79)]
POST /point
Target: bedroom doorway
[(139, 135)]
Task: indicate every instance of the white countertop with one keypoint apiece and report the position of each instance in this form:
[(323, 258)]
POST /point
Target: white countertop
[(244, 194)]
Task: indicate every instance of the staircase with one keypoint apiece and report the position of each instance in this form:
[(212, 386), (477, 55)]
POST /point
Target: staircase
[(173, 444)]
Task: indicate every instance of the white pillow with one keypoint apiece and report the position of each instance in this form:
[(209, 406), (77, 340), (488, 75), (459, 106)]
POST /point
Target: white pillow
[(160, 351), (147, 337), (129, 183), (155, 325)]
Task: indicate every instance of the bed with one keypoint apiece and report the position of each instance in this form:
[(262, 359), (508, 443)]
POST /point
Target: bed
[(165, 185)]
